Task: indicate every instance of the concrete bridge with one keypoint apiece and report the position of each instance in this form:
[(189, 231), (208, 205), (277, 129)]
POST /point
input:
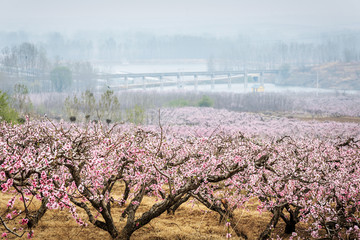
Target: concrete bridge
[(125, 81)]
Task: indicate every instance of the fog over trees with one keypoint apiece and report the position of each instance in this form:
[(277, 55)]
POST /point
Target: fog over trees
[(231, 52), (261, 32), (67, 48)]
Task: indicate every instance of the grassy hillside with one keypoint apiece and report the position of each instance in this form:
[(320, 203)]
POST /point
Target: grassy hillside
[(331, 75)]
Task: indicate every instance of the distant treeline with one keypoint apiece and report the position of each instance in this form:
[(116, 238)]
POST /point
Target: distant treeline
[(29, 64), (58, 63), (221, 52)]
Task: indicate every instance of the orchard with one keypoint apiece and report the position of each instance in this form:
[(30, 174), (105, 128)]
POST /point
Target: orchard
[(99, 169)]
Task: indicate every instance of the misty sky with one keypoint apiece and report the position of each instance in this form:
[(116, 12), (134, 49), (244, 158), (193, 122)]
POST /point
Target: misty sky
[(183, 16)]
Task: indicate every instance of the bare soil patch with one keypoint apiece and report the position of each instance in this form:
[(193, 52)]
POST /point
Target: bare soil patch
[(191, 221)]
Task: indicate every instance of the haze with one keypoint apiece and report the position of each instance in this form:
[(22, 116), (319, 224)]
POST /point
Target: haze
[(227, 17)]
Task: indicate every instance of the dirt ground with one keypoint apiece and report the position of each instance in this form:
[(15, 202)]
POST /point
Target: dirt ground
[(335, 119), (191, 221), (309, 117)]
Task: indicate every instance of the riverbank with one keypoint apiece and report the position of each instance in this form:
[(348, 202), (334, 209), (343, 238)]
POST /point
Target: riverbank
[(340, 76)]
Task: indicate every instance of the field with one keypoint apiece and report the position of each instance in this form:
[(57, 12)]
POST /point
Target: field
[(266, 175)]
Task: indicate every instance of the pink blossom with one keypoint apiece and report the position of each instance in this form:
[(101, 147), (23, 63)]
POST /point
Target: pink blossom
[(2, 175), (315, 234), (11, 202), (4, 187), (24, 221), (30, 235)]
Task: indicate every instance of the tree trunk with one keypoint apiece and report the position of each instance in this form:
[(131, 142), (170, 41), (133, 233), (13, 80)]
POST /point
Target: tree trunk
[(272, 224), (123, 235), (236, 229), (34, 220), (292, 221), (290, 226), (172, 209)]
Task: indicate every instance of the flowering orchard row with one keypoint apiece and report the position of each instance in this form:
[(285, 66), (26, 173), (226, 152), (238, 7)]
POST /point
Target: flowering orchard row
[(71, 167), (325, 104), (204, 121)]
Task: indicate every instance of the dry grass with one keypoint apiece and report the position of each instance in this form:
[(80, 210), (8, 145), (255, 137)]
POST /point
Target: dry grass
[(309, 117), (334, 75), (332, 119), (191, 221)]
